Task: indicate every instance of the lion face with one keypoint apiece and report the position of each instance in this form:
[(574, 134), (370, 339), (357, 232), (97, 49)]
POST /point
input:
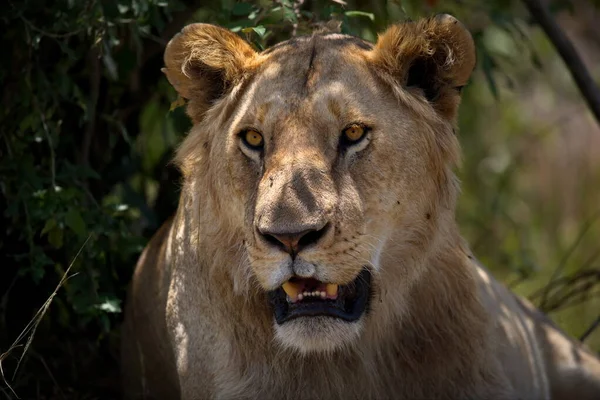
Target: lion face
[(332, 157)]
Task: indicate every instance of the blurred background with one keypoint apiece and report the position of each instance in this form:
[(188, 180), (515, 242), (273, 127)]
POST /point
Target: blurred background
[(88, 125)]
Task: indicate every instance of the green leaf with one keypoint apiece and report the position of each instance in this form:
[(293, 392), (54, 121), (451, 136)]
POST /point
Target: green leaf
[(74, 221), (259, 30), (180, 101), (241, 9), (289, 14), (50, 225), (123, 8), (360, 14), (55, 237), (110, 306), (27, 122)]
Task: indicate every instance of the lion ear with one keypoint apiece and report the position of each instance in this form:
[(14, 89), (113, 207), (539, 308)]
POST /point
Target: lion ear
[(435, 56), (203, 62)]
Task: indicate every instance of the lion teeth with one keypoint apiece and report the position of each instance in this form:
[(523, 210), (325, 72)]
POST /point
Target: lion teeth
[(291, 290), (331, 290), (295, 291), (303, 295)]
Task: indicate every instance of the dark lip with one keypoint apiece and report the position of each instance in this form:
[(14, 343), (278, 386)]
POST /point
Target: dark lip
[(352, 302)]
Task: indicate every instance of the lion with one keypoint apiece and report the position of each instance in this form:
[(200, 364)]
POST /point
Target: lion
[(314, 253)]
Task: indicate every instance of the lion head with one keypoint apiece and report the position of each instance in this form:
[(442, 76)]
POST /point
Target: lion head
[(329, 160)]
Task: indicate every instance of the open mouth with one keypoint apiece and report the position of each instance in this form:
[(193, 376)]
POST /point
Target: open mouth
[(305, 297)]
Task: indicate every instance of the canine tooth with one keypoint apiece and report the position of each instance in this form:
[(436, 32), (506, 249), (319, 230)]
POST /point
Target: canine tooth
[(331, 289), (291, 290), (300, 296), (323, 295)]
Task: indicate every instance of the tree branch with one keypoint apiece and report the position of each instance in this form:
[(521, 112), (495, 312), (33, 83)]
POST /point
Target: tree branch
[(90, 130), (589, 331), (567, 51)]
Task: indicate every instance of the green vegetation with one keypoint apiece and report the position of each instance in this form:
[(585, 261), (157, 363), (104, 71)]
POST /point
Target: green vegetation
[(88, 125)]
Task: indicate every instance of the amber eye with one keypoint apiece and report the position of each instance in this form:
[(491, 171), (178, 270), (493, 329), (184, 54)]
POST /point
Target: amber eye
[(354, 133), (253, 139)]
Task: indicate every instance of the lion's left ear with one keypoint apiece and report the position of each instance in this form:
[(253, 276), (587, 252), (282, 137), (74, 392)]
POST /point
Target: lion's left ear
[(435, 56)]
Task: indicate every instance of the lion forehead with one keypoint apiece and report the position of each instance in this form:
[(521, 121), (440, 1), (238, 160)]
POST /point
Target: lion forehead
[(302, 66)]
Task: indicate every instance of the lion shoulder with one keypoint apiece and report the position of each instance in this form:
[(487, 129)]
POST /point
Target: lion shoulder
[(535, 354)]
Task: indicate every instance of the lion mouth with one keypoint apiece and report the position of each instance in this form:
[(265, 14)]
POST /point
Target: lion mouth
[(302, 297)]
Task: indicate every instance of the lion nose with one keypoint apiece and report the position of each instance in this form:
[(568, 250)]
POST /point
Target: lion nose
[(294, 242)]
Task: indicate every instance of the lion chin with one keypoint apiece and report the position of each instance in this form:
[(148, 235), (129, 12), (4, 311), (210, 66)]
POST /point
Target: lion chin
[(317, 334)]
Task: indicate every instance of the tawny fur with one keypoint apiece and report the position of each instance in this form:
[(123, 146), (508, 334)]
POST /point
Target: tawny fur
[(198, 323)]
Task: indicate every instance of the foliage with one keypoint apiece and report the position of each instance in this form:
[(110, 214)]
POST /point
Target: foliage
[(87, 135)]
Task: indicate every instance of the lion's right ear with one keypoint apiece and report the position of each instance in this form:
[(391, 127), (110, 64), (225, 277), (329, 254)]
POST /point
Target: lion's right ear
[(203, 62)]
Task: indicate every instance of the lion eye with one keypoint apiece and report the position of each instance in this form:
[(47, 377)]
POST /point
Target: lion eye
[(354, 133), (253, 139)]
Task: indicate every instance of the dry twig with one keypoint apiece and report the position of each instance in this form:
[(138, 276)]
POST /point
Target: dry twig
[(29, 332)]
